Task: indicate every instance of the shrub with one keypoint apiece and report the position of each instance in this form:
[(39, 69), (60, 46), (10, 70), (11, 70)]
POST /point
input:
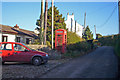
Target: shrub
[(109, 40), (37, 41), (48, 43), (112, 40), (73, 38), (77, 49), (117, 48)]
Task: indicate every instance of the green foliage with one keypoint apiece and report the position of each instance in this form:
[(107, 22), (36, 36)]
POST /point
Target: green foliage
[(98, 36), (80, 46), (48, 43), (76, 46), (88, 34), (117, 48), (59, 22), (37, 41), (78, 49), (72, 38), (109, 40), (112, 40)]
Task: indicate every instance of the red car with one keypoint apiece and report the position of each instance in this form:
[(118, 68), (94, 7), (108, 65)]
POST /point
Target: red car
[(19, 52)]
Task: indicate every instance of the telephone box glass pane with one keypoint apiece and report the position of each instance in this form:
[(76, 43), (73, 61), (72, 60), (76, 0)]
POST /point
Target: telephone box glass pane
[(59, 40)]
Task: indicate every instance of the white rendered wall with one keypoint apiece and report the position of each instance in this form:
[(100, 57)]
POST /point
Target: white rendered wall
[(79, 28), (23, 38), (10, 37)]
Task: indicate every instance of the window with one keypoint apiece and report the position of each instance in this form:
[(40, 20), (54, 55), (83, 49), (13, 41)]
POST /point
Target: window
[(59, 40), (6, 47), (18, 39), (4, 38), (18, 47), (28, 40)]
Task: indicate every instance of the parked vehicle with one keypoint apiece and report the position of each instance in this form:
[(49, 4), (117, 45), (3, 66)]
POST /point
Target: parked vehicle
[(19, 52)]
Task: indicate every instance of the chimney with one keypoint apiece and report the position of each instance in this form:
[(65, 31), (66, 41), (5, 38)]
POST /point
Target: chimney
[(72, 13), (16, 27)]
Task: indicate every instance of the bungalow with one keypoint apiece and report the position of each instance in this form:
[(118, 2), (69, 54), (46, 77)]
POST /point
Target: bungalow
[(16, 34)]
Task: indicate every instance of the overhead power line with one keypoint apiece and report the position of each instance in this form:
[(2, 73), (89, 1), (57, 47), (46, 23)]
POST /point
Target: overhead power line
[(108, 17)]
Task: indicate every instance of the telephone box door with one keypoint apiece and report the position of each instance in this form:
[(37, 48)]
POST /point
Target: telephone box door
[(60, 40)]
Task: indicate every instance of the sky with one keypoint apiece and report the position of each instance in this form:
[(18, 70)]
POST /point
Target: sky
[(102, 14)]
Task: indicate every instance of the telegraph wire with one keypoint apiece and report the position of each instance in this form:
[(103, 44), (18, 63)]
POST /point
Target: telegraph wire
[(108, 17)]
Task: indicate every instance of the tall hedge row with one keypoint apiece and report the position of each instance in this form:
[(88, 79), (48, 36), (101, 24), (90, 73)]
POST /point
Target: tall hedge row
[(113, 40)]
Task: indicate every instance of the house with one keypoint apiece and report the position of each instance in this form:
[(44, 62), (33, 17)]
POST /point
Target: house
[(16, 34), (73, 26)]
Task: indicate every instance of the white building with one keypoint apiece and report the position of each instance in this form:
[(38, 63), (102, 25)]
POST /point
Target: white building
[(16, 34), (73, 26)]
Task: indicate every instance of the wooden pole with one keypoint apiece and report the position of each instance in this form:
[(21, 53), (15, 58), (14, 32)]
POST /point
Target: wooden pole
[(52, 22)]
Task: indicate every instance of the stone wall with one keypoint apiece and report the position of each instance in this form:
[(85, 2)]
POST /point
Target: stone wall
[(36, 47)]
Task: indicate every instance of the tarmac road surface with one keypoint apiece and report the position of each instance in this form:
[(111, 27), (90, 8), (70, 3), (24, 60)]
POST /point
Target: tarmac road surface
[(101, 63)]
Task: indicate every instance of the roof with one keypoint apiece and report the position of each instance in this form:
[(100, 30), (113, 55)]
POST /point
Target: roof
[(10, 42), (13, 30)]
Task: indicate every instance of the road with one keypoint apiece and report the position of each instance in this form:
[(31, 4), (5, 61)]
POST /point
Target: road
[(101, 63)]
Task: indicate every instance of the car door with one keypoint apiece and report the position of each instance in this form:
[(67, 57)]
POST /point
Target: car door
[(21, 53), (7, 52)]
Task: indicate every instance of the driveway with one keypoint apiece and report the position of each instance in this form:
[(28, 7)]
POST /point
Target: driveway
[(102, 63)]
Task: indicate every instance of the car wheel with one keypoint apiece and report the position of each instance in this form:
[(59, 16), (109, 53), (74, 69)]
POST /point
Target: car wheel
[(37, 61)]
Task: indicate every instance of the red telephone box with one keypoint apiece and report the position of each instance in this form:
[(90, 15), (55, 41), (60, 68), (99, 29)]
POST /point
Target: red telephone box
[(61, 40)]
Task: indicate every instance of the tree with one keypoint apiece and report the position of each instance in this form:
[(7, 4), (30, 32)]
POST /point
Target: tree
[(41, 23), (45, 21), (88, 34), (98, 36), (59, 23)]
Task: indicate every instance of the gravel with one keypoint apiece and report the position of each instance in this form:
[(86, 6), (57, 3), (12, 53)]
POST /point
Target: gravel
[(25, 70)]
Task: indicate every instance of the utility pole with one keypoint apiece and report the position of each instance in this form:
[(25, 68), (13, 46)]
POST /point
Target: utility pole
[(45, 22), (95, 31), (85, 20), (84, 23), (52, 22)]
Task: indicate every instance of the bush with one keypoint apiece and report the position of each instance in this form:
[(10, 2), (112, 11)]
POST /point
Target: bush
[(37, 41), (73, 38), (48, 43), (117, 48), (109, 40), (113, 40), (80, 46), (77, 49), (76, 46)]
